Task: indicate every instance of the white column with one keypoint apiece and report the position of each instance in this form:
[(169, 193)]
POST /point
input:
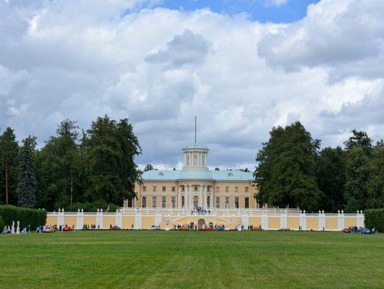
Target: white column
[(283, 220), (303, 220), (321, 220), (138, 219), (99, 219), (60, 218), (119, 219), (80, 219), (211, 199), (264, 221), (179, 195), (190, 196), (340, 220)]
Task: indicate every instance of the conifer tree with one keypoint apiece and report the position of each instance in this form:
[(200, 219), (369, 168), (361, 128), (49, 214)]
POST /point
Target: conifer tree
[(26, 187)]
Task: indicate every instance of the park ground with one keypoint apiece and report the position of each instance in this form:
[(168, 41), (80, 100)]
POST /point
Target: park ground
[(192, 259)]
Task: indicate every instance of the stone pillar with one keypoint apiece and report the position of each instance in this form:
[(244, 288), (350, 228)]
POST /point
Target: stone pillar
[(245, 220), (119, 219), (340, 220), (80, 219), (138, 220), (321, 221), (360, 219), (99, 219), (211, 199), (190, 200), (264, 221), (158, 218), (283, 220), (60, 218), (179, 196), (303, 220)]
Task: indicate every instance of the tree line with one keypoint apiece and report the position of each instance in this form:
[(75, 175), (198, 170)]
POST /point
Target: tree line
[(95, 168), (75, 168), (292, 170)]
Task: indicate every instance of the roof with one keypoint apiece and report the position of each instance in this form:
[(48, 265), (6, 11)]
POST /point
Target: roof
[(173, 175)]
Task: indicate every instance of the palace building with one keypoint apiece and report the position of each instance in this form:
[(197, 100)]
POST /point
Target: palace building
[(195, 187), (196, 197)]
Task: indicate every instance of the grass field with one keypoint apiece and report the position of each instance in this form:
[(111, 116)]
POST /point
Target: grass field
[(159, 259)]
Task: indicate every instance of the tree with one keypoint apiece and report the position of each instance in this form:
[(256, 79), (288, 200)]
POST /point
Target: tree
[(330, 172), (148, 167), (375, 185), (110, 149), (58, 167), (9, 150), (359, 151), (285, 174), (26, 186), (357, 176), (359, 139)]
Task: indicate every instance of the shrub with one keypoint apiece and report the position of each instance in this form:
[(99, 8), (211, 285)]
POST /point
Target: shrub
[(26, 216), (374, 218), (92, 207), (1, 224)]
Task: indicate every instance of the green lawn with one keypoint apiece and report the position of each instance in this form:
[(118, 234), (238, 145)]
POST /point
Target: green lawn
[(159, 259)]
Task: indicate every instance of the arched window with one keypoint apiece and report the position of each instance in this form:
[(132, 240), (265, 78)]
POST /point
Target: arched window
[(194, 160), (187, 160)]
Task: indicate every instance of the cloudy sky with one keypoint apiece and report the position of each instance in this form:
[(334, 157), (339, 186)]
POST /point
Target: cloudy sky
[(240, 66)]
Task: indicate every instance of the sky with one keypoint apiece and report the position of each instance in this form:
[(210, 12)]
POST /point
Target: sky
[(241, 67)]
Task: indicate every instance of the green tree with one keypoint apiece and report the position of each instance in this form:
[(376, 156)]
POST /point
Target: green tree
[(9, 150), (285, 175), (359, 139), (359, 150), (148, 167), (357, 176), (110, 151), (375, 185), (58, 167), (330, 172), (26, 186)]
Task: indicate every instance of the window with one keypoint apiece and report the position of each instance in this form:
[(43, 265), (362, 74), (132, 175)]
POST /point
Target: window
[(227, 202), (164, 188), (195, 160), (173, 188), (173, 201), (246, 189), (236, 202), (195, 188), (227, 189), (187, 161), (144, 188), (208, 201), (236, 189), (144, 202), (182, 201), (217, 189), (247, 203), (154, 188), (203, 160), (163, 202), (130, 203), (154, 202), (217, 202)]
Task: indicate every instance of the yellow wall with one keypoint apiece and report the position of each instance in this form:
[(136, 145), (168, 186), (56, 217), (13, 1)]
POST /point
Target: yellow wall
[(331, 223), (274, 222), (293, 223), (312, 223)]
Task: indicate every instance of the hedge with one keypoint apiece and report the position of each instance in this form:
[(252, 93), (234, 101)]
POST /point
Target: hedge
[(26, 216), (374, 218), (1, 224)]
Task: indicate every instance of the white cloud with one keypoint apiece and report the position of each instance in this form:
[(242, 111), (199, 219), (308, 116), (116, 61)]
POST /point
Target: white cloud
[(160, 68)]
